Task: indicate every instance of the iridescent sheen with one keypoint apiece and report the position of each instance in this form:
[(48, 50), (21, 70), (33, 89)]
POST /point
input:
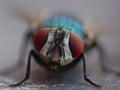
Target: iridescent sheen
[(65, 21)]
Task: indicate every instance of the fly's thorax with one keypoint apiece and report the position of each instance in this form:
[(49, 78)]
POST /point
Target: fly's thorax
[(56, 48)]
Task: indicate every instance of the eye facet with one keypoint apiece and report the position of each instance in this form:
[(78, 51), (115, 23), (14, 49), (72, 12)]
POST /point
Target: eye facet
[(40, 38), (75, 44)]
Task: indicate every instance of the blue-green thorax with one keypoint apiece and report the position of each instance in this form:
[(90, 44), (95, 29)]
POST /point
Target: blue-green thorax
[(65, 21)]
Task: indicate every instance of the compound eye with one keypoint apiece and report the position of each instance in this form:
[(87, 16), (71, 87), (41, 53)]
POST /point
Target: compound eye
[(40, 38), (75, 44)]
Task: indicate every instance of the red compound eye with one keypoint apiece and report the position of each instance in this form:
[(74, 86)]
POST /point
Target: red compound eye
[(76, 45), (40, 38)]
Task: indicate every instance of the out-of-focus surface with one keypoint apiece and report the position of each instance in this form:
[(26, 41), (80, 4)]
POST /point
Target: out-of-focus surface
[(109, 82), (104, 13)]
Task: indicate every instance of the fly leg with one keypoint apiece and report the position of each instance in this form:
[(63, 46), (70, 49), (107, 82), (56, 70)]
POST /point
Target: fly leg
[(27, 76), (27, 37), (85, 75)]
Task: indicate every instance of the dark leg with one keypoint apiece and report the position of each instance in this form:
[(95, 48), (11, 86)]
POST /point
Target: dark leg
[(32, 53), (26, 40), (21, 60), (85, 75)]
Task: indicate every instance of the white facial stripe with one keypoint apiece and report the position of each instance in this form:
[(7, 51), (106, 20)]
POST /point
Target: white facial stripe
[(68, 56), (48, 43)]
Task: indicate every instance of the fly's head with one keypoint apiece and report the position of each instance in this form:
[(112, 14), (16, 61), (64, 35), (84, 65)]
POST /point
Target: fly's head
[(57, 46)]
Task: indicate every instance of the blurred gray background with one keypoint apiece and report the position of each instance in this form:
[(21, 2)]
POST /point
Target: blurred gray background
[(105, 13)]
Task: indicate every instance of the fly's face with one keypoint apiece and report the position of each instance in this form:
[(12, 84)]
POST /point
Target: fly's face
[(57, 47)]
